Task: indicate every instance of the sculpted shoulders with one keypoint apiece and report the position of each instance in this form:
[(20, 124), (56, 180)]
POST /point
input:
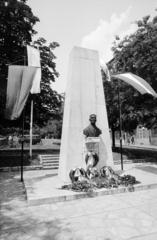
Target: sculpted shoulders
[(99, 130), (86, 129)]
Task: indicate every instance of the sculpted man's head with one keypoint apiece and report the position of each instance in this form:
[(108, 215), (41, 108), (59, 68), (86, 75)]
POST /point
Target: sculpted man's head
[(92, 130), (92, 118)]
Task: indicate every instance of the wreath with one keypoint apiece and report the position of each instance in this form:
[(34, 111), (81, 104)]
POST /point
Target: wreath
[(77, 174), (91, 159)]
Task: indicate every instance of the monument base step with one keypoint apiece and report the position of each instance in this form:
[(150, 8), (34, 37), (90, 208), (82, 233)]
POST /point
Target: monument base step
[(49, 161), (47, 188), (49, 167), (75, 195)]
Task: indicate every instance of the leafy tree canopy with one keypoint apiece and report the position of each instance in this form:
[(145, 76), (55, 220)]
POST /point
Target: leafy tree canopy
[(48, 103), (16, 31), (136, 53)]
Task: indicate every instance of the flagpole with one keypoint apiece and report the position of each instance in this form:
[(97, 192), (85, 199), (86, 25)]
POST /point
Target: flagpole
[(120, 127), (22, 144), (31, 126), (34, 89), (22, 140)]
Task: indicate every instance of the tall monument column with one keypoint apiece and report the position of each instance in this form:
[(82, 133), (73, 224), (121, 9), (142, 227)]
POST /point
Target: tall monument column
[(84, 96)]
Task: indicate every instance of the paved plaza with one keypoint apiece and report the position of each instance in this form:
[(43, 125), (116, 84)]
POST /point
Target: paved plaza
[(129, 215)]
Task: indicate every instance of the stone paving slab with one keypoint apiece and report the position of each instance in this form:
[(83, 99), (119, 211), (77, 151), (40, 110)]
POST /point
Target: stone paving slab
[(129, 216), (113, 217), (44, 187)]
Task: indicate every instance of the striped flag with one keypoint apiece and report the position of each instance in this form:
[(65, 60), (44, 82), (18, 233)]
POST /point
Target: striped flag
[(33, 56), (137, 82), (20, 79)]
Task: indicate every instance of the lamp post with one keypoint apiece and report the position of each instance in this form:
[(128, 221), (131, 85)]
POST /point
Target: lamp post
[(120, 126), (22, 144), (120, 121), (22, 139)]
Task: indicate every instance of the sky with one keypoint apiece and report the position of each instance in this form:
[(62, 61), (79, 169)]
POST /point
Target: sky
[(86, 23)]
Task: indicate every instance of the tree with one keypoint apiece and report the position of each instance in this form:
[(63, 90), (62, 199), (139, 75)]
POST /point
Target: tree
[(136, 53), (16, 30), (48, 103), (52, 129), (112, 107)]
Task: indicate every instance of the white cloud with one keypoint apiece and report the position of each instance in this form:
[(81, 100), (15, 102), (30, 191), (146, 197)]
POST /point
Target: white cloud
[(102, 37)]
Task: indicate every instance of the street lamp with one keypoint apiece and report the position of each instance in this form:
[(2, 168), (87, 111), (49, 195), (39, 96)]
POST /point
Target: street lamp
[(120, 126)]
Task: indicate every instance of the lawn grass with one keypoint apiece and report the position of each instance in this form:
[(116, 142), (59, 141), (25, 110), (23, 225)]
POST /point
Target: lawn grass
[(12, 157)]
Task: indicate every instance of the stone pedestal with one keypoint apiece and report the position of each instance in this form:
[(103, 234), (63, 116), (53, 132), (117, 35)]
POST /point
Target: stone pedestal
[(84, 96)]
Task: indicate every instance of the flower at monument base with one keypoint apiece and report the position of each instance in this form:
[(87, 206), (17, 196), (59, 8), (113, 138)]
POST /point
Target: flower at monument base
[(128, 180), (82, 186), (88, 181), (108, 172), (92, 172), (77, 174)]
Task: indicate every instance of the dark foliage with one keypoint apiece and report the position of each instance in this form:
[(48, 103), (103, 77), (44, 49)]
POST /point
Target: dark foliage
[(47, 104), (136, 53), (17, 23)]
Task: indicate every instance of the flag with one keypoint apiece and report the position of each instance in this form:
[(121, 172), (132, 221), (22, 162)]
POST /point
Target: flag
[(33, 55), (105, 70), (137, 82), (20, 80)]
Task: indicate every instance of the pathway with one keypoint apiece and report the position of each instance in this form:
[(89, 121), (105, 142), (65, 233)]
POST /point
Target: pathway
[(127, 216)]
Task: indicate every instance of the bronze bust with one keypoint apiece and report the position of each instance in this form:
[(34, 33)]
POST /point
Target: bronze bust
[(92, 130)]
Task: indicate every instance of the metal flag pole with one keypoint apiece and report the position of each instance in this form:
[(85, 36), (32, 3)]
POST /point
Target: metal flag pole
[(22, 144), (22, 139), (31, 126), (120, 127), (33, 91)]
